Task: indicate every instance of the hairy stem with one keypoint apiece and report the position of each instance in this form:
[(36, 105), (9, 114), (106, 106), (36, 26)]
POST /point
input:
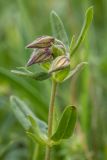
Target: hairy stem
[(50, 117)]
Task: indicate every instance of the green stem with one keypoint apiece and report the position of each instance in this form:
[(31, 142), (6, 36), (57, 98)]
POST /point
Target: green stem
[(36, 151), (50, 118)]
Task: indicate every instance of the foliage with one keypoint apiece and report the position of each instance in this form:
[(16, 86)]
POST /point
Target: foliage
[(22, 21)]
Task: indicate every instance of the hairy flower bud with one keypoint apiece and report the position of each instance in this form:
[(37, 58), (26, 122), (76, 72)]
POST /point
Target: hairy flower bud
[(42, 42), (59, 63), (39, 56)]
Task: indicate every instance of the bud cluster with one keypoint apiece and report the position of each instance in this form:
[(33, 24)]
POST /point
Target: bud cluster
[(47, 48)]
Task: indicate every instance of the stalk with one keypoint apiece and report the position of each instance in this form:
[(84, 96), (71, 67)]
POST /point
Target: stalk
[(50, 118), (36, 152)]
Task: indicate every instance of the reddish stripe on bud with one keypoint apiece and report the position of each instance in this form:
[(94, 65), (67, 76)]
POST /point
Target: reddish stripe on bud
[(42, 42), (39, 56), (60, 63)]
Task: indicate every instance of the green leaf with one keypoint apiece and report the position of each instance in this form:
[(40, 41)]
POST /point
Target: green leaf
[(45, 65), (37, 76), (22, 73), (20, 108), (38, 126), (27, 87), (58, 28), (34, 123), (86, 25), (60, 76), (38, 135), (28, 120), (5, 148), (78, 68), (36, 138), (57, 50), (55, 118), (19, 114), (66, 124), (41, 76), (24, 69), (72, 42)]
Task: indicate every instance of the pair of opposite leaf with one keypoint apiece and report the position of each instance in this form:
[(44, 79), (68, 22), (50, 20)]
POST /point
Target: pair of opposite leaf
[(54, 54), (36, 129)]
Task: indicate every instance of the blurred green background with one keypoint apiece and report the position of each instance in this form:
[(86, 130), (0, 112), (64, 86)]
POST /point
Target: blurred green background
[(21, 21)]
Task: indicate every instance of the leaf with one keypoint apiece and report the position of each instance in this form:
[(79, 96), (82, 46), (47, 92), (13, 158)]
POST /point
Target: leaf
[(5, 148), (38, 135), (86, 25), (72, 42), (57, 50), (55, 118), (22, 73), (38, 126), (66, 124), (41, 76), (28, 88), (24, 69), (58, 28), (19, 114), (60, 76), (22, 110), (45, 65), (36, 138), (78, 68), (34, 123), (37, 76)]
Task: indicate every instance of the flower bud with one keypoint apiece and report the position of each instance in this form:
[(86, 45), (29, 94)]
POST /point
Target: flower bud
[(39, 56), (58, 50), (59, 63), (42, 42)]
